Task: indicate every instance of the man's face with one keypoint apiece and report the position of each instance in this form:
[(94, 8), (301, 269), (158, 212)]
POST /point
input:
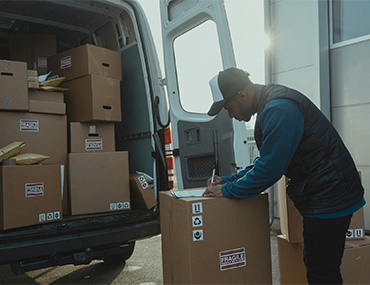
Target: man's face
[(240, 109)]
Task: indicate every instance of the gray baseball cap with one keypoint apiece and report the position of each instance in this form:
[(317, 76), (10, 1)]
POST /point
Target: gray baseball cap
[(226, 84)]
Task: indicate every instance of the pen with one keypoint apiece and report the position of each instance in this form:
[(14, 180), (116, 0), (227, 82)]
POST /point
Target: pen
[(213, 175)]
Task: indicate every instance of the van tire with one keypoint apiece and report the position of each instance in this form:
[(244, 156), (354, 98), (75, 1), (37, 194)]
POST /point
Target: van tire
[(121, 257)]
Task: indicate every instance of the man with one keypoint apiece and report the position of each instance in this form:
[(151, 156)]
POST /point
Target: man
[(294, 138)]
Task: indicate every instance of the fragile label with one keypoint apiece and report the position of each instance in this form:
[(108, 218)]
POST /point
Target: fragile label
[(119, 206), (93, 144), (234, 258), (34, 189), (28, 125), (66, 62), (197, 208)]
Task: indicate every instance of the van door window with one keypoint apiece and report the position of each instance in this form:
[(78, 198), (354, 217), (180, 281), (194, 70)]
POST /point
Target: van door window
[(198, 59)]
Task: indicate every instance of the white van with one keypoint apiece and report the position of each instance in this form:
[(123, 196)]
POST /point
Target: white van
[(151, 105)]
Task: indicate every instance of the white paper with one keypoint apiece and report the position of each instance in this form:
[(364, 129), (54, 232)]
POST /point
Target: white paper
[(188, 193)]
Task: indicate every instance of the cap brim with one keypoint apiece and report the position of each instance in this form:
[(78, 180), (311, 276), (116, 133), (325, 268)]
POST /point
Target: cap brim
[(216, 108)]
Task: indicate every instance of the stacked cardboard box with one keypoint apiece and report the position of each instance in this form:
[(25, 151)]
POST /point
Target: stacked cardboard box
[(215, 240), (98, 175), (29, 194), (290, 243)]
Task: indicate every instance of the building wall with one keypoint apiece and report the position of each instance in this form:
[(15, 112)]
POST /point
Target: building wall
[(350, 100)]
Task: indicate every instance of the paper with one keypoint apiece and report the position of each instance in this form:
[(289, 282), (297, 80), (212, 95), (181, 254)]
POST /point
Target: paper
[(188, 193)]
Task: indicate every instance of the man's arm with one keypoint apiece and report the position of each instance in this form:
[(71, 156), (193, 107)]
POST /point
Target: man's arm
[(282, 127)]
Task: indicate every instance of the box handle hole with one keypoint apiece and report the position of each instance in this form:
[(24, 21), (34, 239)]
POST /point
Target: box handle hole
[(107, 107), (93, 135), (6, 73), (105, 64)]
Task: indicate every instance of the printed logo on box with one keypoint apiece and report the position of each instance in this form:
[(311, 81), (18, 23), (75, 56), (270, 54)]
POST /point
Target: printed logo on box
[(66, 62), (349, 233), (197, 221), (197, 208), (113, 206), (197, 235), (28, 125), (141, 179), (126, 205), (119, 206), (50, 216), (42, 218), (359, 233), (34, 189), (93, 144), (234, 258), (144, 185), (56, 215)]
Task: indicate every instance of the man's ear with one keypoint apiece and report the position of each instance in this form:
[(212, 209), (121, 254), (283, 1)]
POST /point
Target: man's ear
[(243, 96)]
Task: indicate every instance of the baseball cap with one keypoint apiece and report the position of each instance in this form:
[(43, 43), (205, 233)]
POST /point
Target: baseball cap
[(226, 84)]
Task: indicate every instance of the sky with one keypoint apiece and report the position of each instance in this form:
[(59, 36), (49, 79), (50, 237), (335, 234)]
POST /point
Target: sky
[(246, 23)]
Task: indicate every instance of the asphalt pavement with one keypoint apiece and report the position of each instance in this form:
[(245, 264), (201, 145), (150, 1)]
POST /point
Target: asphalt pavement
[(144, 268)]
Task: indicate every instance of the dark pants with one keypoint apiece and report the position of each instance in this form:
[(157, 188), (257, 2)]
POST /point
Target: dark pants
[(324, 241)]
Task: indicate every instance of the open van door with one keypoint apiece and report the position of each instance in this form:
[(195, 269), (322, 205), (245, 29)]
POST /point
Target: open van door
[(197, 44)]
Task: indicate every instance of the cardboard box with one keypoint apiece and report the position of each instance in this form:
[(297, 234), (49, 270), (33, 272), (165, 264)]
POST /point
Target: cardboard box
[(29, 195), (93, 98), (291, 219), (84, 60), (33, 49), (13, 85), (354, 268), (92, 137), (215, 240), (46, 102), (142, 196), (99, 182), (43, 133)]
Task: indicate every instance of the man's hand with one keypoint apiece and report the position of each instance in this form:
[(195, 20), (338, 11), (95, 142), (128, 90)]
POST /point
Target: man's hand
[(213, 191), (216, 180)]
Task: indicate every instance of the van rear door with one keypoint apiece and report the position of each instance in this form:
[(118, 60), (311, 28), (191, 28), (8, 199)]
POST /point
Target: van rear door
[(197, 45)]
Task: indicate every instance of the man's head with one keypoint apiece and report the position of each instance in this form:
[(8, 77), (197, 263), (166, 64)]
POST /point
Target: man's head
[(232, 90)]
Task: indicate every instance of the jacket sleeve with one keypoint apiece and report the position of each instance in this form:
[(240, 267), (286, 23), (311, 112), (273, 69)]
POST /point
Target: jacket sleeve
[(238, 175), (282, 127)]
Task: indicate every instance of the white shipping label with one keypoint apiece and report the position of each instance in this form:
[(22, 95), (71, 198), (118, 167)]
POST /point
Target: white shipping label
[(197, 221), (42, 218), (359, 233), (197, 235), (93, 144), (349, 233), (66, 62), (29, 125), (234, 258), (197, 208), (34, 189)]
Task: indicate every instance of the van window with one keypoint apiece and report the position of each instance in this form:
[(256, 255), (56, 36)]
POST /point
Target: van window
[(350, 19), (198, 59)]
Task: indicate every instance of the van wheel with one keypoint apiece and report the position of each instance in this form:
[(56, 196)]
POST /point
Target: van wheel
[(126, 252)]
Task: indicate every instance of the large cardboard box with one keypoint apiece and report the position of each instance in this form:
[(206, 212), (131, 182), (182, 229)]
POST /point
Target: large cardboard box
[(13, 85), (29, 195), (291, 219), (33, 49), (93, 98), (86, 59), (142, 196), (43, 133), (46, 102), (215, 240), (92, 137), (99, 182), (354, 268)]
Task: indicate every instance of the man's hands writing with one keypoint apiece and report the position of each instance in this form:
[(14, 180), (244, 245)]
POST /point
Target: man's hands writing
[(214, 189)]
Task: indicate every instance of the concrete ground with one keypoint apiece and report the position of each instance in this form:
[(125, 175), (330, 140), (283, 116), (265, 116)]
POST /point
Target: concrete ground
[(144, 268)]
